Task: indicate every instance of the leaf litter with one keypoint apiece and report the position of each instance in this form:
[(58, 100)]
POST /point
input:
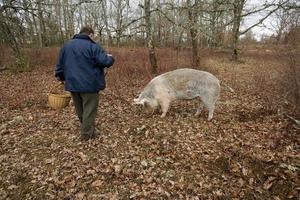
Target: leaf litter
[(245, 152)]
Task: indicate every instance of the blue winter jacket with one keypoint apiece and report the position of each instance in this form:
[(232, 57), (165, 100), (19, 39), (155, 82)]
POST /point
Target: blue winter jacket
[(81, 65)]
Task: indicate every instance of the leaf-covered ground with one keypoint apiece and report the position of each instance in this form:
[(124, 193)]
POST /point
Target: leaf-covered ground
[(248, 151)]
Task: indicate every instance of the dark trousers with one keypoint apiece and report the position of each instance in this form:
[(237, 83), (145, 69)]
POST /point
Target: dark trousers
[(86, 105)]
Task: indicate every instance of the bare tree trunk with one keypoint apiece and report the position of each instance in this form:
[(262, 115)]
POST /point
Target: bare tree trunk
[(65, 17), (42, 25), (71, 22), (212, 42), (238, 6), (104, 8), (59, 18), (282, 23), (37, 30), (30, 31), (192, 15), (69, 19), (150, 43), (119, 21), (80, 18), (159, 35)]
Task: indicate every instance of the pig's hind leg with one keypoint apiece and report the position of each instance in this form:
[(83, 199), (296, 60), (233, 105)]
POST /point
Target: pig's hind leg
[(209, 103)]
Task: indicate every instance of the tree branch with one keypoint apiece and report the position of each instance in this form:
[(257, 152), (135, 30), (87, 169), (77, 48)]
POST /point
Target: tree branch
[(259, 22)]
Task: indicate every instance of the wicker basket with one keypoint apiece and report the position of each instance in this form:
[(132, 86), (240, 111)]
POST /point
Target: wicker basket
[(58, 101)]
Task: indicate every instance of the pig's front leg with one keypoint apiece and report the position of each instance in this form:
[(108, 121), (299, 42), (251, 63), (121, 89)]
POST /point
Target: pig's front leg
[(165, 104)]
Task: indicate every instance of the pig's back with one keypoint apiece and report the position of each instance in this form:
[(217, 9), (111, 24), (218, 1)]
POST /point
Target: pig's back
[(190, 83)]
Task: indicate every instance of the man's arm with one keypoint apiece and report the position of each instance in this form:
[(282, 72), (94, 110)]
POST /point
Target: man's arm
[(59, 70), (102, 58)]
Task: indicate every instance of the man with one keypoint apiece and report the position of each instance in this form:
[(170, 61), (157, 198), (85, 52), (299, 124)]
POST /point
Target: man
[(81, 66)]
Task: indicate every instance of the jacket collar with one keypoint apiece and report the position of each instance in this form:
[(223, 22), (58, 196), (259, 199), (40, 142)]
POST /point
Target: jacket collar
[(83, 36)]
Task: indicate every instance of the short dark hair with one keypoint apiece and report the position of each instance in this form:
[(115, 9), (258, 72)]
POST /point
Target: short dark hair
[(86, 30)]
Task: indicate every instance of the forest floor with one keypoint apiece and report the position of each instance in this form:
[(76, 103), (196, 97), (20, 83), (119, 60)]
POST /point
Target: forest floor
[(248, 151)]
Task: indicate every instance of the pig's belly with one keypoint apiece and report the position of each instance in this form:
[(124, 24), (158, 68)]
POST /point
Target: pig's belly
[(186, 95)]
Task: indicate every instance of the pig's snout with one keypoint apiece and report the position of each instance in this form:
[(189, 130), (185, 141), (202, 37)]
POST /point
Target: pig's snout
[(135, 102)]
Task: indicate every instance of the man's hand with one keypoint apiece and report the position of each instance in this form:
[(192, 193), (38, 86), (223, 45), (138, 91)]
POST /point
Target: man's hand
[(111, 56), (62, 82)]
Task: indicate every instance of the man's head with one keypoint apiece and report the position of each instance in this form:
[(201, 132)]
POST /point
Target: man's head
[(87, 31)]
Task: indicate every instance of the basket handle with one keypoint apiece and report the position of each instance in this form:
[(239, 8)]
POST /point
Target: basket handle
[(105, 72), (57, 84)]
